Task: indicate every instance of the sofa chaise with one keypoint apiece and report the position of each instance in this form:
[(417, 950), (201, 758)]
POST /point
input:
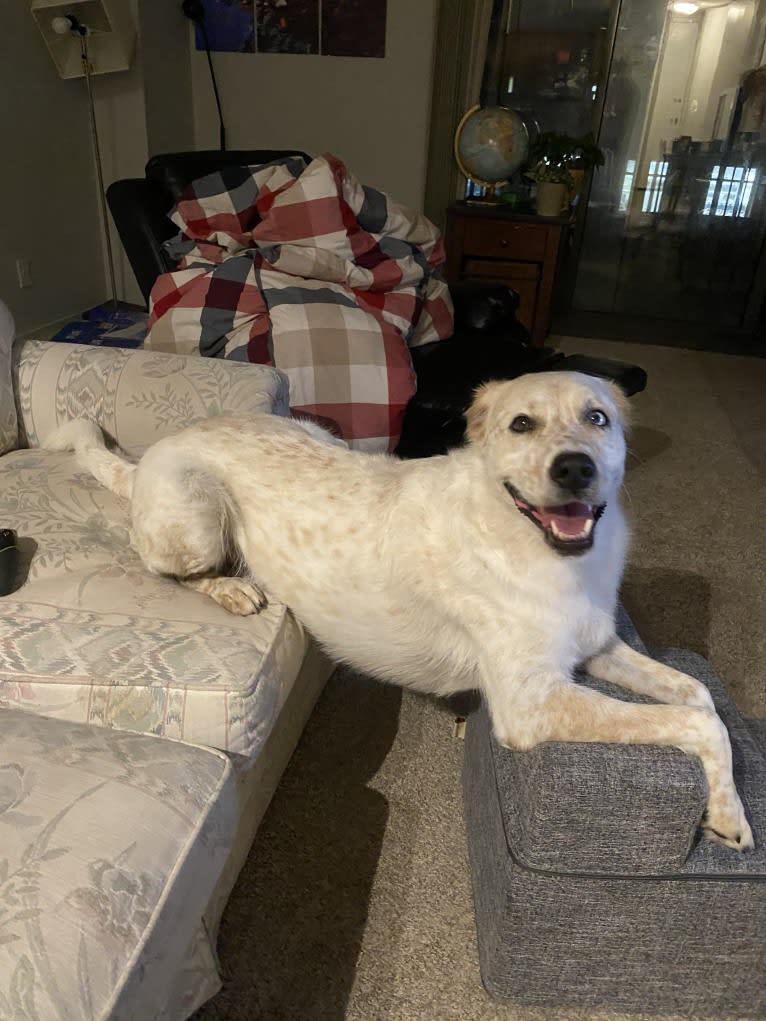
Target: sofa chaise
[(143, 729)]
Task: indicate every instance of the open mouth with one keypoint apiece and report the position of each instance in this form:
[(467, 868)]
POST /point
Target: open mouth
[(568, 528)]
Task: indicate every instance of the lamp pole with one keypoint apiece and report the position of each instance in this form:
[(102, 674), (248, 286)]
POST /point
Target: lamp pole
[(70, 24)]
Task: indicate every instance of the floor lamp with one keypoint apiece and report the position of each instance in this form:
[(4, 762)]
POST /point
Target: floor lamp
[(105, 44)]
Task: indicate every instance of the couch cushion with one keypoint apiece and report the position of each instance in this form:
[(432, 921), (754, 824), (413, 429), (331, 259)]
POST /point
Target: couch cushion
[(137, 397), (90, 636), (110, 846), (8, 426)]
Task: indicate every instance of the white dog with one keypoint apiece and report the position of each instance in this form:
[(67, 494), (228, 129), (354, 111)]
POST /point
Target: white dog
[(495, 567)]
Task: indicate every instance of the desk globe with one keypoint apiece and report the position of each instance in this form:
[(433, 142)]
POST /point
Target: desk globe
[(491, 143)]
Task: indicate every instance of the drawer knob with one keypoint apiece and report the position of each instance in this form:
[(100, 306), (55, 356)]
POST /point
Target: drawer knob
[(503, 242)]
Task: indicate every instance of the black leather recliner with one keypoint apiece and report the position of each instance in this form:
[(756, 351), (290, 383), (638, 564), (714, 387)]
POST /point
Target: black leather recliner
[(488, 342)]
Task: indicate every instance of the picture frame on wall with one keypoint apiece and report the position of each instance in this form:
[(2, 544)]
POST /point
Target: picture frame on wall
[(229, 25), (354, 28), (335, 28), (287, 26)]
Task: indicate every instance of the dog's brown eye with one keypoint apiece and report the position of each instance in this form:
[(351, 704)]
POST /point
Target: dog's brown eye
[(523, 424), (598, 417)]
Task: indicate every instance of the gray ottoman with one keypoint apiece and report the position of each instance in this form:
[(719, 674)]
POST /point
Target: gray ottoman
[(592, 887)]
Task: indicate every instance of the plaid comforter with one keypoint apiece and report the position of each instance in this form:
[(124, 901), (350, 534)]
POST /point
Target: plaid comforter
[(304, 268)]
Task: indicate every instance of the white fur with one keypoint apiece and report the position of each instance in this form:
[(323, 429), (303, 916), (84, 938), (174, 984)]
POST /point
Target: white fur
[(425, 573), (319, 432), (110, 470)]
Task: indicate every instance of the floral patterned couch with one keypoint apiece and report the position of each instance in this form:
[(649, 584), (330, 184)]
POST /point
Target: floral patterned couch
[(142, 728)]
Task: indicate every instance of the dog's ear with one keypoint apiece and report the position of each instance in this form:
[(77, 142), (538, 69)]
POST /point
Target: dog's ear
[(478, 412), (622, 404)]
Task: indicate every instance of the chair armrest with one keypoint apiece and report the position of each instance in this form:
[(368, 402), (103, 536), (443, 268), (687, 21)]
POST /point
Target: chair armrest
[(630, 378), (137, 397), (140, 210)]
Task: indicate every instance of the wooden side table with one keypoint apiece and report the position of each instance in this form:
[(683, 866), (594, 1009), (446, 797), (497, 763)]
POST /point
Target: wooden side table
[(491, 244)]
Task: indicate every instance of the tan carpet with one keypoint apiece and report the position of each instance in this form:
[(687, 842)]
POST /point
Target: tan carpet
[(355, 904)]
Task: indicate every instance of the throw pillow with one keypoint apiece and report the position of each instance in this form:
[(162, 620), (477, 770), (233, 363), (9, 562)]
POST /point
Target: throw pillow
[(8, 426)]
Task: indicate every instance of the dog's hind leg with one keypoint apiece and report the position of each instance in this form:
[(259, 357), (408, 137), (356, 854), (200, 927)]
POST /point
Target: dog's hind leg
[(183, 526)]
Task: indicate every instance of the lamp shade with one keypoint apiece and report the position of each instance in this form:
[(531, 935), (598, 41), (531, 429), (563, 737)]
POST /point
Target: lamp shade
[(111, 34)]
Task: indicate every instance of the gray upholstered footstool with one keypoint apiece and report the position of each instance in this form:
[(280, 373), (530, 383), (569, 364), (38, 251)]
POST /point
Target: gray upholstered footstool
[(592, 887)]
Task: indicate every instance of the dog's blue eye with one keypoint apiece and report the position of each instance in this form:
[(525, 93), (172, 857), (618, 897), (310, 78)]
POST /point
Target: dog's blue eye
[(598, 417), (523, 424)]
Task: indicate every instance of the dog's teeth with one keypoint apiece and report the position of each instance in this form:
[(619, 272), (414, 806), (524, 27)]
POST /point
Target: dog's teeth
[(567, 536)]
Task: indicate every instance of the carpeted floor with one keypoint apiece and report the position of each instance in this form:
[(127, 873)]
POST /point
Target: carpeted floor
[(355, 904)]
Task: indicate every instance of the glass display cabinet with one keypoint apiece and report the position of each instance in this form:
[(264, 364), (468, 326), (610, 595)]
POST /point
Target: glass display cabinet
[(675, 92)]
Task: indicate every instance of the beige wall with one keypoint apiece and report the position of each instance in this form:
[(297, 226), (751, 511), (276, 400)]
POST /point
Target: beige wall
[(119, 104), (164, 47), (49, 202), (373, 114)]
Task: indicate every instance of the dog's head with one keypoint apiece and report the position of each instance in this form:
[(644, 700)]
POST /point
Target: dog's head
[(556, 442)]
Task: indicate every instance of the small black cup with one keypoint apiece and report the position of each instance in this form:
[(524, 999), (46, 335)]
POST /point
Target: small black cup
[(9, 560)]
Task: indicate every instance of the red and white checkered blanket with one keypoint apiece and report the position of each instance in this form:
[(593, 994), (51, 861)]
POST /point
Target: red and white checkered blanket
[(304, 268)]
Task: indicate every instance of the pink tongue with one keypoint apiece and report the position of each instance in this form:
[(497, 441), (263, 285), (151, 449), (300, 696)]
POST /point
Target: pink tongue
[(570, 518)]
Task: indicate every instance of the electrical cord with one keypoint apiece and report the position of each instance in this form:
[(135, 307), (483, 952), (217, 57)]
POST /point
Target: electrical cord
[(195, 11)]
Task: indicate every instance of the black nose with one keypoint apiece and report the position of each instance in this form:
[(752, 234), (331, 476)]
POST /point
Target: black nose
[(573, 471)]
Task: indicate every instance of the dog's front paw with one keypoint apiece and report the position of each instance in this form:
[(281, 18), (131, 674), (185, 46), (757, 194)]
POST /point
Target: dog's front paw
[(725, 822), (239, 596), (236, 595)]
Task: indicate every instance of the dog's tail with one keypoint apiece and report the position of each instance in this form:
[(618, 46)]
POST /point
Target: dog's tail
[(87, 441)]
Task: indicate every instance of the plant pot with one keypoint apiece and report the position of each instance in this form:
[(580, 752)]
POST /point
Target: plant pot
[(552, 198), (578, 182)]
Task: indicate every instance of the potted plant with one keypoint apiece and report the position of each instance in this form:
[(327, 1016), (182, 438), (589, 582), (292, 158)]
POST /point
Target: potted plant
[(557, 163)]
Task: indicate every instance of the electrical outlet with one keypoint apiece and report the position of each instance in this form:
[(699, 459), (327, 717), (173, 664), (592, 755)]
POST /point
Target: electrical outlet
[(24, 272)]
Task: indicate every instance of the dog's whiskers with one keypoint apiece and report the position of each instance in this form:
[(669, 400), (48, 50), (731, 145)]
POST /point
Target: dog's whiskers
[(635, 456)]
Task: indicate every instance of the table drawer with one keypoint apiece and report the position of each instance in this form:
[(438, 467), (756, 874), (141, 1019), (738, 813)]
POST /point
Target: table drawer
[(504, 239), (503, 272)]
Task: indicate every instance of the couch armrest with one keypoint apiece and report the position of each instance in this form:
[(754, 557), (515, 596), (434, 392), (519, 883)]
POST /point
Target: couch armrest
[(137, 397)]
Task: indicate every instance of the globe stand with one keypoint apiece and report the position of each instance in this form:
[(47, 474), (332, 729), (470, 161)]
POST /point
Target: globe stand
[(491, 198)]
